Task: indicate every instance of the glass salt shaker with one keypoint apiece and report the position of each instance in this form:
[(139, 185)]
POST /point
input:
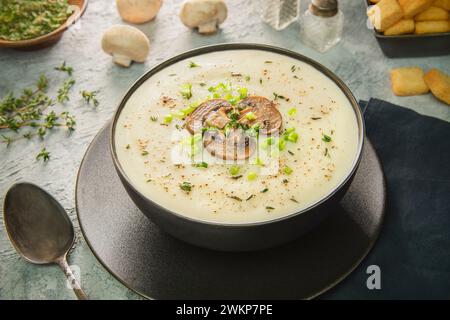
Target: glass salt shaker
[(280, 13), (321, 25)]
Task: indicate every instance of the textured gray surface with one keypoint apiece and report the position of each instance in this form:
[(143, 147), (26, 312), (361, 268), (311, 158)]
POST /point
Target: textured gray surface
[(357, 60)]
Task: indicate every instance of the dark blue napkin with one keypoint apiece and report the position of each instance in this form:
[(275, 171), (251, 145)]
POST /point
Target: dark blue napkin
[(413, 250)]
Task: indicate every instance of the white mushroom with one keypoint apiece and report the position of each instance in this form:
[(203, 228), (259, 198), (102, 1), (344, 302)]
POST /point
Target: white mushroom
[(126, 44), (206, 15), (138, 11)]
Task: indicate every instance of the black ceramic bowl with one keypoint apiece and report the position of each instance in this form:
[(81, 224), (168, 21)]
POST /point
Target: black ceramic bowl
[(237, 237)]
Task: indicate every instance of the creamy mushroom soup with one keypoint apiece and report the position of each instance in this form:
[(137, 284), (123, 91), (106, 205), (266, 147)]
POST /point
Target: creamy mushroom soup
[(237, 136)]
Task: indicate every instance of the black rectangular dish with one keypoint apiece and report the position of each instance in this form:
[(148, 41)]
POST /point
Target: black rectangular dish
[(413, 45)]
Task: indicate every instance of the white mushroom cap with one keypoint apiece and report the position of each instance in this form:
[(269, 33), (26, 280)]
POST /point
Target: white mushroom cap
[(138, 11), (126, 44), (205, 15)]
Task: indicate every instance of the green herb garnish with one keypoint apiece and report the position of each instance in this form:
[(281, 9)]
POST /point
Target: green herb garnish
[(326, 138), (292, 111), (202, 164), (168, 118), (186, 91), (252, 176), (44, 155), (29, 110), (63, 92), (264, 190), (65, 68), (234, 170), (90, 96), (288, 170), (277, 96), (235, 198), (250, 116), (186, 186), (192, 64)]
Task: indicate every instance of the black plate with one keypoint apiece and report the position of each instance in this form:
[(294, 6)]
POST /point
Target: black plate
[(158, 266), (413, 45)]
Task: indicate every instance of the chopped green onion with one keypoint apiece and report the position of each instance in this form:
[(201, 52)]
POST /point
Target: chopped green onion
[(178, 114), (202, 164), (233, 100), (192, 64), (288, 170), (281, 144), (252, 176), (250, 116), (243, 93), (186, 186), (264, 190), (292, 111), (234, 170), (292, 137), (247, 78), (168, 118), (186, 91), (289, 130)]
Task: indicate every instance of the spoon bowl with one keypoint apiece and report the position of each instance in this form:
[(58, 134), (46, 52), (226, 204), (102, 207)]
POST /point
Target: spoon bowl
[(39, 228)]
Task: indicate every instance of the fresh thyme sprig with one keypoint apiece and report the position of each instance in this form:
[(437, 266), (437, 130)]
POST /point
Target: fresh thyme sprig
[(43, 154), (27, 115), (65, 68), (63, 92), (90, 97)]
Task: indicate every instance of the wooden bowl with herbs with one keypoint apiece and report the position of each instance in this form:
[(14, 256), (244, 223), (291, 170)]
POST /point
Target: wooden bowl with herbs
[(36, 24)]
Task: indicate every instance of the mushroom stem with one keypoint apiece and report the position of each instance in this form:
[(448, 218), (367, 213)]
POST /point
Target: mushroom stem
[(121, 60), (209, 27)]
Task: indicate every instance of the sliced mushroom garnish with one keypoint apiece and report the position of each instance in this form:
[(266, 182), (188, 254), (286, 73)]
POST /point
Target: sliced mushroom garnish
[(236, 145), (265, 113), (212, 112)]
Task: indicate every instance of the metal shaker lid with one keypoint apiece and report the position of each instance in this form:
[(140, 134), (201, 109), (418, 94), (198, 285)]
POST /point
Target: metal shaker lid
[(324, 8)]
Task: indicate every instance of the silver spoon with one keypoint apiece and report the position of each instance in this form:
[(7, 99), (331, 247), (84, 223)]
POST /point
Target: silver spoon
[(39, 228)]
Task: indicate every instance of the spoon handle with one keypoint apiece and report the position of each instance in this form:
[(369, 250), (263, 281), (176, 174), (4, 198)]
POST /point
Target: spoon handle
[(73, 281)]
